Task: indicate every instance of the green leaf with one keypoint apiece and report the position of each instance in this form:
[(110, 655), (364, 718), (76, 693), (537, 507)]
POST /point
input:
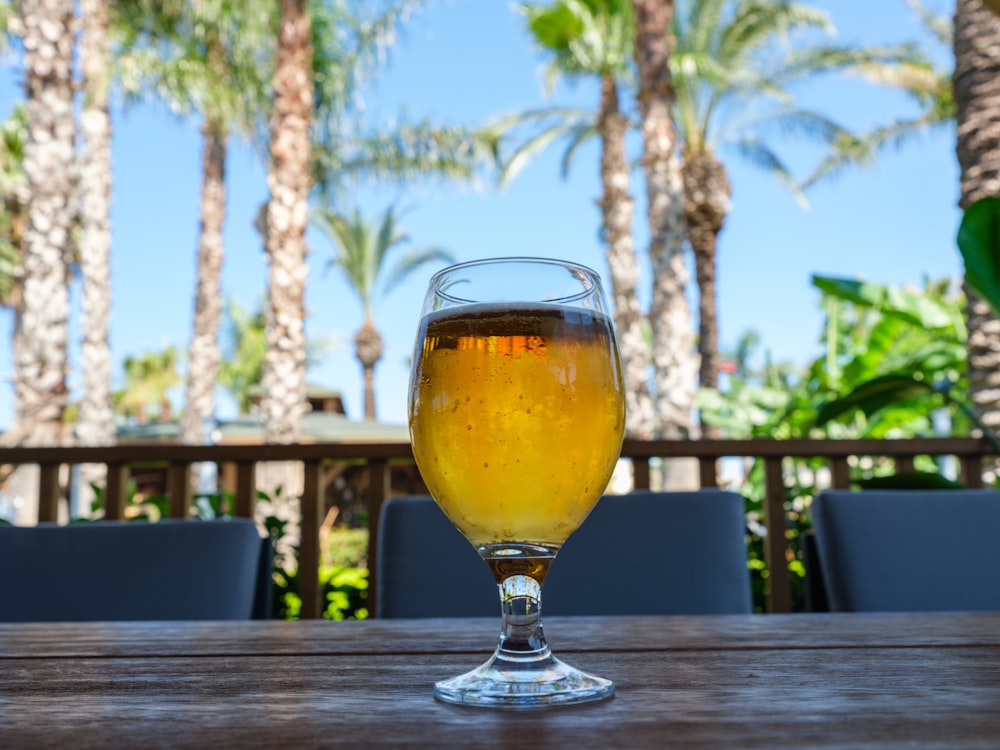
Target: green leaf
[(979, 243), (916, 308), (909, 480), (555, 27), (874, 395)]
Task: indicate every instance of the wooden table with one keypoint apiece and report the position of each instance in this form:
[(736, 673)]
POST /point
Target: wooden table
[(771, 681)]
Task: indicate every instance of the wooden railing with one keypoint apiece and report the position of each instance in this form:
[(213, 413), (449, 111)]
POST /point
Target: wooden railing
[(240, 461)]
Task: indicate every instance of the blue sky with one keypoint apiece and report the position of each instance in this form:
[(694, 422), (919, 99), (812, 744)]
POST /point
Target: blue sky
[(466, 61)]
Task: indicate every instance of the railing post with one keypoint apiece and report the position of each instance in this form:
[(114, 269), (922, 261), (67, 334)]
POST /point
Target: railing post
[(379, 487), (311, 508), (972, 472), (115, 491), (776, 543), (48, 493), (227, 477), (179, 486), (245, 494), (708, 472), (840, 473), (640, 473)]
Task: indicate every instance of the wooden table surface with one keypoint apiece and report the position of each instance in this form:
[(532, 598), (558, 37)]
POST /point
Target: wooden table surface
[(763, 681)]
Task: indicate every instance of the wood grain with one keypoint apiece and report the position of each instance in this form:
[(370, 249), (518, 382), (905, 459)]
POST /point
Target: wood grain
[(693, 682)]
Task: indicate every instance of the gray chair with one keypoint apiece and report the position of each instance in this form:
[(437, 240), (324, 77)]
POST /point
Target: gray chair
[(640, 553), (909, 550), (426, 568), (117, 570)]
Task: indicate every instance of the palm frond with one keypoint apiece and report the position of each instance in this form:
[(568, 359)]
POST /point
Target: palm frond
[(760, 23), (536, 143), (414, 260), (862, 149), (361, 250), (586, 37), (406, 151), (696, 22), (939, 26), (801, 63), (763, 157), (800, 123), (577, 137)]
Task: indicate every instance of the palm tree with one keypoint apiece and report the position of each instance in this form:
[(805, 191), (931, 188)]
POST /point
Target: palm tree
[(289, 180), (592, 38), (148, 379), (346, 45), (361, 251), (203, 58), (670, 316), (243, 365), (41, 333), (729, 85), (95, 425), (977, 98)]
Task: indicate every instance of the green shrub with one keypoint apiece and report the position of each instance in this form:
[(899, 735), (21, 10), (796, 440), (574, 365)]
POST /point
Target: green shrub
[(345, 592), (348, 547)]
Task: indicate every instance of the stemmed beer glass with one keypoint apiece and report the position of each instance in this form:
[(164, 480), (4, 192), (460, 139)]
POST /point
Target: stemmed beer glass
[(516, 415)]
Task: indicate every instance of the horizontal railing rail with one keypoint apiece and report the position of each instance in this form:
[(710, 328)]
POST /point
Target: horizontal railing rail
[(239, 464)]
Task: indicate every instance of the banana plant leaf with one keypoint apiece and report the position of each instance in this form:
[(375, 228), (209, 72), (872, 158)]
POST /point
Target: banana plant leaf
[(910, 480), (916, 309), (979, 243), (874, 395)]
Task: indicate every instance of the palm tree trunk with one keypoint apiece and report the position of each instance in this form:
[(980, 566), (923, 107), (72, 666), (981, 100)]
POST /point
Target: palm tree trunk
[(706, 205), (674, 362), (977, 100), (284, 401), (204, 357), (368, 350), (616, 212), (42, 363), (96, 423)]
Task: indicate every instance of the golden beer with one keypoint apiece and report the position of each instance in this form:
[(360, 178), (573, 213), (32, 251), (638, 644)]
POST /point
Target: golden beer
[(516, 417)]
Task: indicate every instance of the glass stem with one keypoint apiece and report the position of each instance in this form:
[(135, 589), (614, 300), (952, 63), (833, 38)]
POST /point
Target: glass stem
[(520, 571)]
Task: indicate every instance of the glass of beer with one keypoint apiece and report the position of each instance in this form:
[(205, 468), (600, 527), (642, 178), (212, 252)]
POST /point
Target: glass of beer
[(516, 415)]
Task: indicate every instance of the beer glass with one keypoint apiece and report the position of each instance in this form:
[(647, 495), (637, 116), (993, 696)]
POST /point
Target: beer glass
[(516, 415)]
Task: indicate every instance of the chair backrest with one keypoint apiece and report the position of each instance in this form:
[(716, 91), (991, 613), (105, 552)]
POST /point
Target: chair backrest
[(640, 553), (426, 568), (909, 550), (116, 570)]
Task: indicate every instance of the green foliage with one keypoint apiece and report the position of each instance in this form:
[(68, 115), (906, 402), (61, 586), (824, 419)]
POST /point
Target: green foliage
[(909, 480), (242, 367), (148, 378), (347, 547), (587, 37), (210, 59), (13, 203), (891, 358), (345, 591), (875, 395), (979, 243)]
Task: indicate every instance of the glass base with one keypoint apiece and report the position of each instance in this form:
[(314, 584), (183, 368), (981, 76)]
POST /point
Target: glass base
[(520, 682)]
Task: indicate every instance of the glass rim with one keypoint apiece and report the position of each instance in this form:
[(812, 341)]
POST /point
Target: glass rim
[(525, 259)]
